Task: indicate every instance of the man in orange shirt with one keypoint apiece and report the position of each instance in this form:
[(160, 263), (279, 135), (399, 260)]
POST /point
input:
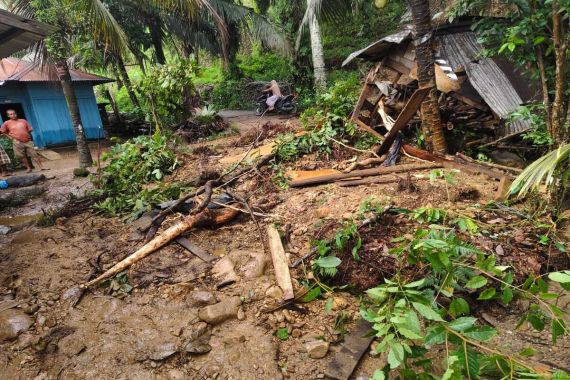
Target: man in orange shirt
[(19, 130)]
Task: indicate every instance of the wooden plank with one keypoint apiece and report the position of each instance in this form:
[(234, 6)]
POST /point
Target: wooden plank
[(280, 263), (362, 173), (471, 102), (404, 117), (254, 153), (296, 175), (195, 250), (355, 345)]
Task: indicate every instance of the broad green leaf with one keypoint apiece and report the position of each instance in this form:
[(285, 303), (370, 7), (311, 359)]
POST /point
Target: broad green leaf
[(558, 329), (416, 284), (329, 305), (396, 355), (409, 333), (312, 294), (378, 375), (487, 294), (562, 277), (328, 262), (476, 282), (507, 295), (527, 352), (427, 312), (481, 333), (458, 307), (377, 294), (435, 335), (462, 324)]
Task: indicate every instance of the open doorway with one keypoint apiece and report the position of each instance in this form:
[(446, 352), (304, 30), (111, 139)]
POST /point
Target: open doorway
[(14, 106)]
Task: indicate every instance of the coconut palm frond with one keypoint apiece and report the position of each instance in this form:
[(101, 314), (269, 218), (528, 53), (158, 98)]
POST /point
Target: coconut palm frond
[(326, 10), (541, 171), (105, 27)]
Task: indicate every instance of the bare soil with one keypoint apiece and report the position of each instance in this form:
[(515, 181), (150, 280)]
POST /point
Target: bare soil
[(142, 335)]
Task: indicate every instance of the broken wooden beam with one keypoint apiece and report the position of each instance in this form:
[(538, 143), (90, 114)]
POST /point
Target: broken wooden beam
[(195, 250), (355, 345), (367, 181), (410, 109), (280, 263), (363, 173)]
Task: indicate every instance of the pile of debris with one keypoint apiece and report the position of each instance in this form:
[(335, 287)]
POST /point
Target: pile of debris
[(477, 93)]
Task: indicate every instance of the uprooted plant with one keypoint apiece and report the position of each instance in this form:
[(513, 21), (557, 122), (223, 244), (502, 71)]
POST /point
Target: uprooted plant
[(133, 179), (427, 304)]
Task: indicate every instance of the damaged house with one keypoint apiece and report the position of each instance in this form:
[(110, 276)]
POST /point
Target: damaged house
[(477, 93)]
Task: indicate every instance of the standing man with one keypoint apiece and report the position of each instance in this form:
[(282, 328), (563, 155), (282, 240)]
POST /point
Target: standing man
[(19, 130)]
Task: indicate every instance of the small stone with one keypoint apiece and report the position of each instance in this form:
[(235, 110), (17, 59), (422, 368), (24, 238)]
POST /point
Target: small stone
[(163, 351), (296, 333), (256, 265), (198, 329), (339, 303), (221, 311), (71, 345), (13, 322), (317, 349), (202, 298), (241, 314), (80, 172), (198, 347), (31, 309), (321, 376), (176, 374), (275, 292), (279, 317)]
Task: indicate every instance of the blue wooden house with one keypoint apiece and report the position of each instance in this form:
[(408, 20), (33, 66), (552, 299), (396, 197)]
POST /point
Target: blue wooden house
[(37, 97)]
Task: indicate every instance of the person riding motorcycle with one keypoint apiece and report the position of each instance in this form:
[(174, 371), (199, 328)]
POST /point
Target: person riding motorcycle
[(275, 95)]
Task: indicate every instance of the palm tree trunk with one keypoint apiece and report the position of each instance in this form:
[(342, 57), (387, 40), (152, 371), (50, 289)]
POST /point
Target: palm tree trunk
[(127, 82), (156, 36), (317, 53), (64, 76), (431, 121)]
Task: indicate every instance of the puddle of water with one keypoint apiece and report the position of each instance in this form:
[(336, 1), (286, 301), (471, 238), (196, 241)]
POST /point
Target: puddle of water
[(18, 219)]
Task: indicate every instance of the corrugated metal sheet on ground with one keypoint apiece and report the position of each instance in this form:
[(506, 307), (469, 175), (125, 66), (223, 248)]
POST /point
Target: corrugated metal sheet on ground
[(494, 86)]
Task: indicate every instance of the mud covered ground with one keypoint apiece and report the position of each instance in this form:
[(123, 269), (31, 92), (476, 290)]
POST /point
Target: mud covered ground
[(176, 324)]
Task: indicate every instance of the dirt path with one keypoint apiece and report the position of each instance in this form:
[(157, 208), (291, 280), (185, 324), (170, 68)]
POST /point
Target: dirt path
[(176, 323)]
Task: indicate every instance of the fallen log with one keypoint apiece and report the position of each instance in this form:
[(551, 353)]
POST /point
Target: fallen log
[(24, 180), (363, 173), (202, 219), (19, 196)]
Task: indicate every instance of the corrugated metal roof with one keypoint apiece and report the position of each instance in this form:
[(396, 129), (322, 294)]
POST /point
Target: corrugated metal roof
[(377, 49), (494, 85), (18, 33), (14, 69)]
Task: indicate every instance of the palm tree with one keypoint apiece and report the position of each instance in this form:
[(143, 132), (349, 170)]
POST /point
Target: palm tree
[(431, 121), (330, 10)]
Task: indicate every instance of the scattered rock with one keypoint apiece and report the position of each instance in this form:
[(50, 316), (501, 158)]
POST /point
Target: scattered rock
[(241, 314), (71, 345), (317, 349), (339, 303), (4, 230), (224, 271), (80, 172), (202, 298), (275, 292), (12, 323), (256, 265), (224, 310), (200, 346), (163, 351)]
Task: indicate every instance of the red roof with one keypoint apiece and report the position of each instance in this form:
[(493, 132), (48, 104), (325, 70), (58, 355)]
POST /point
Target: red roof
[(14, 69)]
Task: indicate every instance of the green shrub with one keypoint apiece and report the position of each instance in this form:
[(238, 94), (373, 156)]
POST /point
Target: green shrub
[(265, 67), (132, 180), (229, 94)]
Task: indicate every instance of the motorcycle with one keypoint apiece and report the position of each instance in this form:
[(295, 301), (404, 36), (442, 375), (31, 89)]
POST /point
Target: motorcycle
[(285, 105)]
